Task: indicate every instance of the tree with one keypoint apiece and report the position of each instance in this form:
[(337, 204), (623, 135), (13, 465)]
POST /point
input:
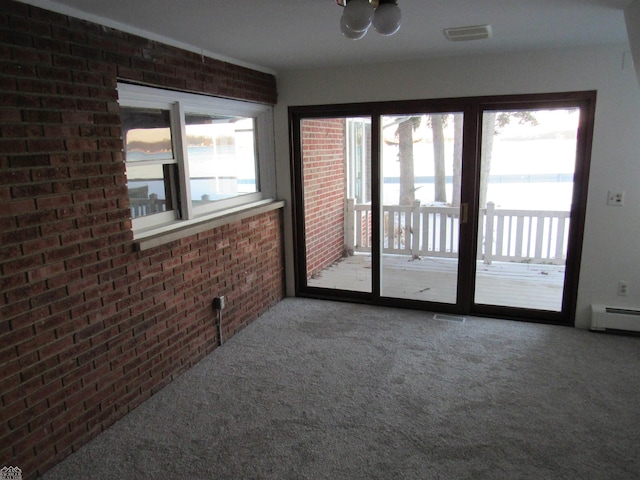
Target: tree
[(486, 151), (492, 122), (438, 122), (404, 133), (457, 159)]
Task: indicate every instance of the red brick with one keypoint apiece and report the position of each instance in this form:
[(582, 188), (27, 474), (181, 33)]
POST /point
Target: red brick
[(45, 145), (25, 292), (104, 230), (55, 347), (70, 186), (10, 282), (54, 201), (37, 218), (37, 86), (70, 326), (60, 131), (68, 61), (84, 261), (58, 103), (79, 283), (39, 116), (56, 228), (28, 161), (10, 115), (94, 131), (9, 252), (62, 253), (22, 264), (81, 144), (45, 272), (33, 190), (11, 145), (88, 306), (19, 207), (21, 130), (77, 117)]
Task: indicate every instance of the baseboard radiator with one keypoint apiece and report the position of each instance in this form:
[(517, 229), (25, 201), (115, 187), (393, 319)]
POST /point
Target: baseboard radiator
[(614, 318)]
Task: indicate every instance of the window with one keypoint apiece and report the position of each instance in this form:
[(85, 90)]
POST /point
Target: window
[(191, 157), (358, 145)]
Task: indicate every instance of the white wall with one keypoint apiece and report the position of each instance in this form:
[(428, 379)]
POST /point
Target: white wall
[(611, 248)]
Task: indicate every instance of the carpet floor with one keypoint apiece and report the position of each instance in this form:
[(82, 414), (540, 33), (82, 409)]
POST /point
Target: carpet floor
[(325, 390)]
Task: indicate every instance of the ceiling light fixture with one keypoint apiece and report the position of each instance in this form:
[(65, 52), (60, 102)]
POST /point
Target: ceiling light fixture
[(359, 15)]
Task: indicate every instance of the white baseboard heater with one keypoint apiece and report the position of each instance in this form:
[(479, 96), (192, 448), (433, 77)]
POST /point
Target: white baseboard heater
[(615, 318)]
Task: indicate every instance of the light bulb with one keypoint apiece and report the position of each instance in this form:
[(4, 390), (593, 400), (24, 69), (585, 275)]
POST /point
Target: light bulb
[(357, 15), (347, 32), (386, 19)]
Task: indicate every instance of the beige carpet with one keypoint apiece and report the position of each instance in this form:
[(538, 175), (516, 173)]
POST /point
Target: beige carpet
[(325, 390)]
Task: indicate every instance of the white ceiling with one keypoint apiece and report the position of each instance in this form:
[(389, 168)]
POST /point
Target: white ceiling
[(278, 35)]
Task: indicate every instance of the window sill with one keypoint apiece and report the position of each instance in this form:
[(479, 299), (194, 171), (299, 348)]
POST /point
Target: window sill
[(177, 230)]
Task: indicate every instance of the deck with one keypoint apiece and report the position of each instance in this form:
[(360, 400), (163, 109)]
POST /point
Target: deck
[(525, 285)]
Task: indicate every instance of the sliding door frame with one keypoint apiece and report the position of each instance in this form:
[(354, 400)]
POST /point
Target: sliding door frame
[(296, 115), (472, 108), (586, 101)]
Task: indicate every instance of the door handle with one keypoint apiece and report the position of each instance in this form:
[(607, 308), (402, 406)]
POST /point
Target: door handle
[(464, 214)]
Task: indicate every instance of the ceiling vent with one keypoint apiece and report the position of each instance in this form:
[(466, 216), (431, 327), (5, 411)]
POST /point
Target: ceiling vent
[(463, 34)]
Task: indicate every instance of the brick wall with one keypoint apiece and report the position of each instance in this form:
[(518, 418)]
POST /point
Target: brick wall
[(90, 328), (323, 151)]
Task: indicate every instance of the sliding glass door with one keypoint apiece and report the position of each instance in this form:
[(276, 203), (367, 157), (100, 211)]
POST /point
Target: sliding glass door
[(472, 206), (420, 160), (336, 165), (527, 173)]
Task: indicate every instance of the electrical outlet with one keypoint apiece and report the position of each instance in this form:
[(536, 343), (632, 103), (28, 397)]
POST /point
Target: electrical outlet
[(615, 198), (623, 288), (218, 303)]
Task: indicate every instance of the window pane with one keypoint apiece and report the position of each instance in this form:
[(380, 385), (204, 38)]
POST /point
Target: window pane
[(150, 189), (221, 154), (147, 133), (421, 156), (338, 222), (527, 175)]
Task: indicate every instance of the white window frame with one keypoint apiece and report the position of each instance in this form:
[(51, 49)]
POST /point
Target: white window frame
[(178, 103)]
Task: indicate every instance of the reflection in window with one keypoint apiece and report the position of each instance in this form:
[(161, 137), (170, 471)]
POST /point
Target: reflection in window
[(147, 134), (150, 160), (150, 189)]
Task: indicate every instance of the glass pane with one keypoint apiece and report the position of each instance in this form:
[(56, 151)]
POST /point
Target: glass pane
[(149, 189), (526, 187), (336, 166), (421, 174), (221, 152), (147, 134)]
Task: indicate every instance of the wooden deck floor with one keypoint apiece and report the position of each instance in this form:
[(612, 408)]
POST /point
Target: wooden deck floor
[(434, 279)]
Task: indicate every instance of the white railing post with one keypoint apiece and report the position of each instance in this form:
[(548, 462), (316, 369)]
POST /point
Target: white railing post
[(153, 207), (488, 233), (349, 230), (559, 251), (415, 229)]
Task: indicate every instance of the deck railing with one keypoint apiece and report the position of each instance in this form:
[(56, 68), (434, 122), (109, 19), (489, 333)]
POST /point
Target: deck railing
[(142, 206), (536, 236), (147, 206)]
